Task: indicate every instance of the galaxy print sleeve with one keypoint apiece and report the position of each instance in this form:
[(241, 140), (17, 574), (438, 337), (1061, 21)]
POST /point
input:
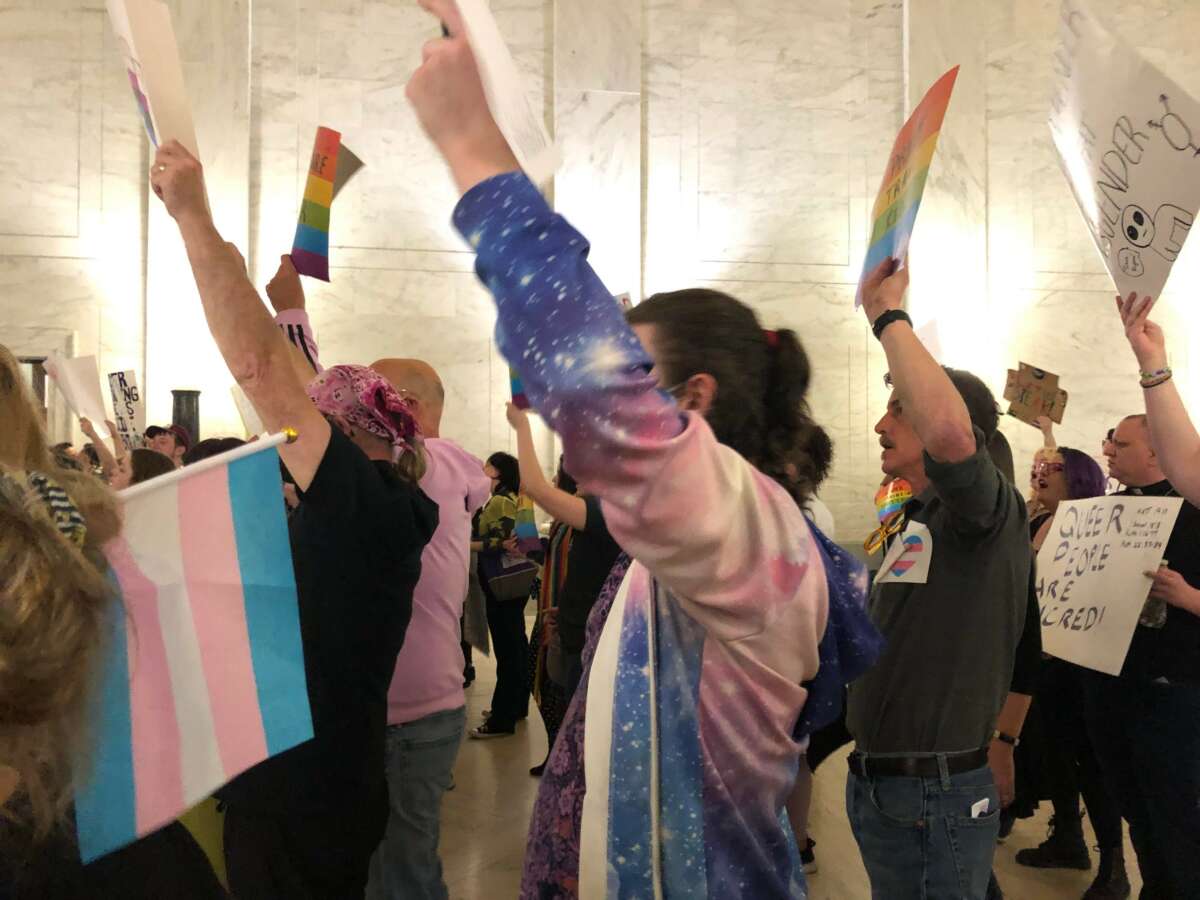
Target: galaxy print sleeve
[(694, 512)]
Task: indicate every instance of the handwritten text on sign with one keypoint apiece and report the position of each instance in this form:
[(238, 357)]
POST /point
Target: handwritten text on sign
[(1091, 582), (129, 409)]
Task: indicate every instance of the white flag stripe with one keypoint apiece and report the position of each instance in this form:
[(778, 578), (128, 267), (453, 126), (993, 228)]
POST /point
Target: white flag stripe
[(152, 531)]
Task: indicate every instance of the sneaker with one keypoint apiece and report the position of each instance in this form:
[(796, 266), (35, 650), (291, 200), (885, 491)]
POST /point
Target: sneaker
[(808, 859), (490, 729), (1061, 850)]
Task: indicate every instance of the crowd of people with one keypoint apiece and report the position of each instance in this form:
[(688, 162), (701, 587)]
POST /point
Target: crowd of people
[(700, 645)]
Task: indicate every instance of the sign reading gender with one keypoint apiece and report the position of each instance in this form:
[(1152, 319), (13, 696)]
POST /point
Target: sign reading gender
[(1128, 139)]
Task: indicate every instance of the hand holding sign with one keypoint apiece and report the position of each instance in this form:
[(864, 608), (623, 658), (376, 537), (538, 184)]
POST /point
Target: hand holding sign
[(1147, 340), (448, 96)]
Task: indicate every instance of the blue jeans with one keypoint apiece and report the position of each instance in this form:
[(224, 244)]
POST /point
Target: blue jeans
[(918, 838), (420, 760)]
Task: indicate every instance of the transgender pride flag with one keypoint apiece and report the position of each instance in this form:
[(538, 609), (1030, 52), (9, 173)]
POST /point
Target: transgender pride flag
[(205, 672)]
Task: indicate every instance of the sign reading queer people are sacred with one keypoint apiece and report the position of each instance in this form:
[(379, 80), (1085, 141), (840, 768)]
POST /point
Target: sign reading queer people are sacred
[(903, 185), (147, 44), (1091, 582), (129, 408), (1128, 139)]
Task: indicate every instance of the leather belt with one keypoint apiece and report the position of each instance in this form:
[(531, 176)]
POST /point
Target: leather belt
[(866, 766)]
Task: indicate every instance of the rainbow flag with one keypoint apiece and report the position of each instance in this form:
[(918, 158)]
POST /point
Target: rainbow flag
[(903, 185), (204, 675), (520, 401), (528, 539), (331, 167)]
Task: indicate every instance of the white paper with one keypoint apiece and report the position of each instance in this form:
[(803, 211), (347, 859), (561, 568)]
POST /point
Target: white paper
[(981, 808), (521, 124), (907, 562), (79, 381), (929, 335), (1128, 140), (129, 408), (250, 418), (147, 44), (1091, 581)]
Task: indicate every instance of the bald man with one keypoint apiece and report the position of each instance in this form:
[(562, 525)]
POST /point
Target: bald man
[(426, 704)]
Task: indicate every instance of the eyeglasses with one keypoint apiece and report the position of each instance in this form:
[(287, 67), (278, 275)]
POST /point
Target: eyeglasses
[(1043, 468)]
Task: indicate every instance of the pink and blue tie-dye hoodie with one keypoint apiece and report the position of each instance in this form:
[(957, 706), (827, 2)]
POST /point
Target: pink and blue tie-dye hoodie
[(696, 688)]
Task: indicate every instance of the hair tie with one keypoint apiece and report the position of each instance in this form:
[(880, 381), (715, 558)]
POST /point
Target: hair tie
[(772, 337)]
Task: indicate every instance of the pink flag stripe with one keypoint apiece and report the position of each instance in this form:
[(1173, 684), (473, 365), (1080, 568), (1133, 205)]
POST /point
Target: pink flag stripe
[(214, 587), (157, 767)]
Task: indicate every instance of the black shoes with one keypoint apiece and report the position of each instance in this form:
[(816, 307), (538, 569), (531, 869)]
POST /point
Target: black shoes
[(1061, 850), (1111, 881), (808, 859), (468, 676)]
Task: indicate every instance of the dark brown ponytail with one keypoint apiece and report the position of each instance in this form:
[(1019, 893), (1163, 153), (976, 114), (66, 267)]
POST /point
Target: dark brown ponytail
[(762, 379)]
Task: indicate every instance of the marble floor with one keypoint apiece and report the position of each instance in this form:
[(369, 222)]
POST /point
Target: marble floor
[(484, 822)]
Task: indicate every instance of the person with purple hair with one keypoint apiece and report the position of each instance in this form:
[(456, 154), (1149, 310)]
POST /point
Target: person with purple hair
[(1070, 768)]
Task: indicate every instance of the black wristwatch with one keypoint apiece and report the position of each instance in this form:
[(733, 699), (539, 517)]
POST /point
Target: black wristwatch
[(1005, 738), (892, 315)]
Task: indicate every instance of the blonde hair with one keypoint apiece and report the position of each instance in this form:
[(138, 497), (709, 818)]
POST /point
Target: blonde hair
[(53, 605), (53, 602)]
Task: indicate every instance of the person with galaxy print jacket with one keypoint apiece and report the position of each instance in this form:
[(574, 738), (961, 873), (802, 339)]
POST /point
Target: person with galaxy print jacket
[(700, 680)]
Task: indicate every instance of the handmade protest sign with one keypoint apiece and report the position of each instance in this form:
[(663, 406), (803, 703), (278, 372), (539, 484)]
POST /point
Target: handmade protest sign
[(1032, 393), (147, 43), (129, 408), (899, 198), (1091, 582), (518, 120), (1128, 140), (331, 166), (79, 381)]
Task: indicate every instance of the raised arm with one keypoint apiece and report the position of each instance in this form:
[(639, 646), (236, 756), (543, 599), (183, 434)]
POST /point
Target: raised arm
[(557, 503), (247, 338), (108, 461), (1171, 430), (286, 294), (931, 402)]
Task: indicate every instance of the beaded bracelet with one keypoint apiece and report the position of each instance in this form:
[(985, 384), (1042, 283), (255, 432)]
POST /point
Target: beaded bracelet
[(1154, 379)]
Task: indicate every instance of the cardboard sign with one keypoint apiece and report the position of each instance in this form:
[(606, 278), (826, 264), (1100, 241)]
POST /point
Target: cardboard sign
[(331, 166), (129, 408), (1128, 140), (903, 185), (1091, 582), (79, 381), (1034, 392), (147, 44), (520, 123)]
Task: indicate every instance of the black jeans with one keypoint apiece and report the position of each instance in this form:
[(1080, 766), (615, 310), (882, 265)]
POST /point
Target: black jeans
[(1147, 738), (1072, 768), (506, 623)]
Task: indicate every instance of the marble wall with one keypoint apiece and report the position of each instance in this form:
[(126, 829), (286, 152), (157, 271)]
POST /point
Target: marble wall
[(707, 142)]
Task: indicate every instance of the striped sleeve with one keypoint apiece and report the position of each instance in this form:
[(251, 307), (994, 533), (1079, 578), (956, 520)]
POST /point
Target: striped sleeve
[(298, 330)]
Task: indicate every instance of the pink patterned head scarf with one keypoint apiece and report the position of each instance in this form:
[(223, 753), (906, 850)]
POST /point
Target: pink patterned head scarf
[(362, 398)]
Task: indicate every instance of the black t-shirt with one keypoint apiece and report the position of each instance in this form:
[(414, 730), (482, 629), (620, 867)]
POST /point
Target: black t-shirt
[(1173, 651), (356, 538), (591, 557)]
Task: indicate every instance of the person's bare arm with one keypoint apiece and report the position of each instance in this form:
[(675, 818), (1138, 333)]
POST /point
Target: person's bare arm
[(1172, 432), (1000, 753), (557, 503), (247, 338), (108, 461), (930, 400)]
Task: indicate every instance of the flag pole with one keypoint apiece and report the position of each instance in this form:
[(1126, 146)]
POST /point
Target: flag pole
[(287, 436)]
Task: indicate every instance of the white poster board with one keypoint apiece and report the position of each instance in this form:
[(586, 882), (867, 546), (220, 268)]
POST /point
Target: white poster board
[(1128, 140), (129, 408), (521, 124), (79, 381), (250, 418), (146, 41), (1091, 581)]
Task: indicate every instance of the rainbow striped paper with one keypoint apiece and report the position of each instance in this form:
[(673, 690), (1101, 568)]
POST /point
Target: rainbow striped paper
[(903, 185), (520, 401), (310, 249), (204, 676)]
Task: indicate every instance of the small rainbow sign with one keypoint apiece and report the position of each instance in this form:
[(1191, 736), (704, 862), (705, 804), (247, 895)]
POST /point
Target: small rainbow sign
[(903, 185), (891, 497), (913, 546), (331, 167), (520, 401)]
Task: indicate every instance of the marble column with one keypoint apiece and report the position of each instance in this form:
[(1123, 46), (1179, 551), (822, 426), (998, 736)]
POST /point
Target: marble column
[(949, 246), (214, 43)]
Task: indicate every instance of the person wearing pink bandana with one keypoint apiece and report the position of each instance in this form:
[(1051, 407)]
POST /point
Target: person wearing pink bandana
[(304, 824)]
